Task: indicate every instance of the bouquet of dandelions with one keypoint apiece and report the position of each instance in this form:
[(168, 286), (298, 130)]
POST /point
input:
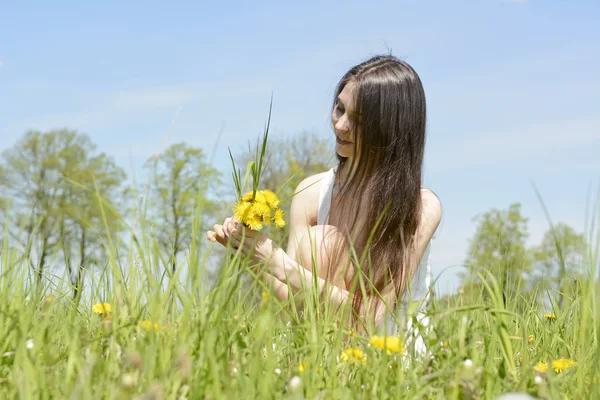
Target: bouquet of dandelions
[(256, 208)]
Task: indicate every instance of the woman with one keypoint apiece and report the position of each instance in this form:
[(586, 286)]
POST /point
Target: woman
[(372, 202)]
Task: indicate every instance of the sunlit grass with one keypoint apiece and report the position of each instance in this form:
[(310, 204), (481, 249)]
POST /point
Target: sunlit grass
[(140, 332)]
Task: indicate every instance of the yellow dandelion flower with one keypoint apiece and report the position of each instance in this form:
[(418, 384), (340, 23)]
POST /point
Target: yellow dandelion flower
[(149, 325), (270, 198), (530, 339), (278, 218), (265, 298), (255, 214), (262, 210), (389, 343), (557, 365), (101, 308), (49, 299), (353, 355), (541, 367), (562, 364), (254, 222), (247, 197), (241, 210), (550, 316), (302, 366)]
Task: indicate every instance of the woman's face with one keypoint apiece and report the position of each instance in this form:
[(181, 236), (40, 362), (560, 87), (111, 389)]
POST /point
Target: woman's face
[(345, 121)]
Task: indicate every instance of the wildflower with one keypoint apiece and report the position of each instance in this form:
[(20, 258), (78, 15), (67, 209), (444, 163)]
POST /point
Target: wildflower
[(29, 344), (302, 366), (557, 365), (101, 308), (550, 317), (256, 213), (389, 343), (530, 339), (129, 381), (468, 363), (538, 380), (265, 298), (148, 325), (295, 384), (277, 371), (49, 299), (353, 355)]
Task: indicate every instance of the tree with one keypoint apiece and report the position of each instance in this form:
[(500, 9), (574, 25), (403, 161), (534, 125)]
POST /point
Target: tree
[(499, 246), (52, 201), (290, 160), (181, 181), (92, 209), (561, 252)]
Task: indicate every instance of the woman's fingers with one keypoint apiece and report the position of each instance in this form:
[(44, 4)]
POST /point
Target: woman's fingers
[(211, 235)]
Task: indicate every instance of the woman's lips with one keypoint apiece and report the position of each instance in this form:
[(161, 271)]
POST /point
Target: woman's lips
[(340, 141)]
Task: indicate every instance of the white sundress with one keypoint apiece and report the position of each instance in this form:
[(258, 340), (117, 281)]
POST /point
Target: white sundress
[(418, 290)]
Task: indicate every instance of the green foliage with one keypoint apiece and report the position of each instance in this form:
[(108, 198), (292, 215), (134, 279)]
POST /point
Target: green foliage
[(562, 251), (54, 185), (499, 246), (184, 340), (182, 181)]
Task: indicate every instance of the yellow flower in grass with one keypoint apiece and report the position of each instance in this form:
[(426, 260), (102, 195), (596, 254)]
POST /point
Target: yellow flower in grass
[(101, 308), (149, 325), (389, 343), (262, 211), (302, 366), (354, 355), (264, 298), (557, 365), (550, 317), (530, 339)]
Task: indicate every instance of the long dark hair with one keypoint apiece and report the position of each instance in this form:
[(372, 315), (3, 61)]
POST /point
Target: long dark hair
[(381, 195)]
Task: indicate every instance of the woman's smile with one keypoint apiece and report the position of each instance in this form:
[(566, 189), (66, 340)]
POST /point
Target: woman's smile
[(341, 141)]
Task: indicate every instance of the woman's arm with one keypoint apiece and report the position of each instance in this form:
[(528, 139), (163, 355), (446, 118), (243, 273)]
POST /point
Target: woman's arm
[(313, 257)]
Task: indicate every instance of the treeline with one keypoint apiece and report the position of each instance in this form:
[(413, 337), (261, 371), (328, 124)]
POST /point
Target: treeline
[(498, 251), (65, 205)]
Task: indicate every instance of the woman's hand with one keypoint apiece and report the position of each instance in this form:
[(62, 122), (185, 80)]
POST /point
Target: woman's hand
[(249, 242), (219, 233)]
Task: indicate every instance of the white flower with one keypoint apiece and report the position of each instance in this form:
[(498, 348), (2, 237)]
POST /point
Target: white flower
[(538, 380), (128, 381), (29, 344), (468, 363), (277, 371), (295, 384)]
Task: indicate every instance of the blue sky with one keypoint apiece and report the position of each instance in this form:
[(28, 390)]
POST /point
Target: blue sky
[(512, 87)]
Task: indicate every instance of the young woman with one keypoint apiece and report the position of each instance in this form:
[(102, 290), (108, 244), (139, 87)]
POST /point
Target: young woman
[(371, 204)]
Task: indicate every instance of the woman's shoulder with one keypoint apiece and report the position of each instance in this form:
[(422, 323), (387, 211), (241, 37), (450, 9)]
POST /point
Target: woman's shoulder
[(431, 210), (311, 185)]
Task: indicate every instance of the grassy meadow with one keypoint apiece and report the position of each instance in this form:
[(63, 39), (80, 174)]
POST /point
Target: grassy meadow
[(140, 333)]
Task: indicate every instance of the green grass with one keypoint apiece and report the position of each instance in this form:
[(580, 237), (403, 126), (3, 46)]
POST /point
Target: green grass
[(223, 342)]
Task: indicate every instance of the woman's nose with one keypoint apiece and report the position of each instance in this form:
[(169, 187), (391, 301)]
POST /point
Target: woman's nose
[(342, 125)]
